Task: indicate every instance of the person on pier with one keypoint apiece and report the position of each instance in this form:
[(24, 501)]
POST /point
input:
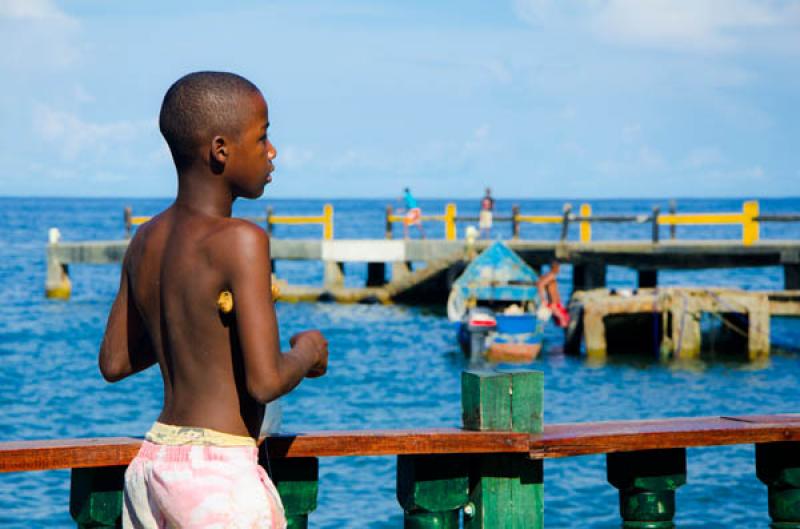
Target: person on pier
[(413, 215), (220, 362), (486, 214), (550, 298)]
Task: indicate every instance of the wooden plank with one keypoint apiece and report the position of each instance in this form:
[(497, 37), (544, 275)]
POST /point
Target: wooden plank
[(396, 442), (564, 440), (558, 440), (111, 451), (67, 453)]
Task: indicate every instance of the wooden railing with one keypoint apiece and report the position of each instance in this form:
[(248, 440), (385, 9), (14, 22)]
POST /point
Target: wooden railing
[(490, 471)]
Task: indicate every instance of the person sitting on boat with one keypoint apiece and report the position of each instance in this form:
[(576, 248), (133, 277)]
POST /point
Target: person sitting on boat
[(413, 214), (550, 297), (485, 217), (220, 363)]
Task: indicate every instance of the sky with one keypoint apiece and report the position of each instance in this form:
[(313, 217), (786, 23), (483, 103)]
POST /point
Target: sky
[(535, 98)]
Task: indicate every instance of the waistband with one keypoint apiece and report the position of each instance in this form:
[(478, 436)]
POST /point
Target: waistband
[(247, 455), (167, 434)]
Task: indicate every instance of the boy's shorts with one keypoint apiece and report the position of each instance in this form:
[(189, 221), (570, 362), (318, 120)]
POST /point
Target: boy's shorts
[(179, 480), (413, 216), (485, 219)]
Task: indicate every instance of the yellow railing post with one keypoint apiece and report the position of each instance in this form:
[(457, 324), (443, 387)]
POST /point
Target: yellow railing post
[(749, 222), (450, 222), (586, 226), (327, 222)]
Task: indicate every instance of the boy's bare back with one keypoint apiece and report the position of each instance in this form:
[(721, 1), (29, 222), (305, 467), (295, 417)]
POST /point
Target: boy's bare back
[(218, 370)]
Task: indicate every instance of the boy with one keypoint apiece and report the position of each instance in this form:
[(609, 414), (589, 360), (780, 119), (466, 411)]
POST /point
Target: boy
[(550, 298), (197, 467), (485, 217), (413, 214)]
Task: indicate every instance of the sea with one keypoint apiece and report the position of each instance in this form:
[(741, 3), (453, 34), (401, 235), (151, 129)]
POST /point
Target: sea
[(391, 366)]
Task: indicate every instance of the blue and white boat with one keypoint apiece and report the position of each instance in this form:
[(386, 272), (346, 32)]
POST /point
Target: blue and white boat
[(494, 304)]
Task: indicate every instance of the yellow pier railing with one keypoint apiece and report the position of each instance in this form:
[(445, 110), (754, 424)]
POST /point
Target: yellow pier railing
[(270, 219), (326, 220), (448, 218), (749, 218)]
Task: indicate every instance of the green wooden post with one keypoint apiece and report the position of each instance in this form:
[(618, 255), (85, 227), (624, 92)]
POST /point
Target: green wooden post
[(647, 481), (506, 490), (95, 496), (297, 481), (778, 466), (432, 489)]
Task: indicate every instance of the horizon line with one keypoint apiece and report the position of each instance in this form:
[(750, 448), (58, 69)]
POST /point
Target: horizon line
[(418, 197)]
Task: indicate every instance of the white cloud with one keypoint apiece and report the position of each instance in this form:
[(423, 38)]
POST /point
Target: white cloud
[(74, 136), (695, 25), (33, 10), (704, 157), (294, 157), (36, 35)]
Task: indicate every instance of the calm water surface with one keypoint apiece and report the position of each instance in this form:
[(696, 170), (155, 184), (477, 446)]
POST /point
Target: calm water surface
[(391, 367)]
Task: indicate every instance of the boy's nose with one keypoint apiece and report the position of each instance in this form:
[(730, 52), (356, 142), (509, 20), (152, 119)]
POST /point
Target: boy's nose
[(272, 153)]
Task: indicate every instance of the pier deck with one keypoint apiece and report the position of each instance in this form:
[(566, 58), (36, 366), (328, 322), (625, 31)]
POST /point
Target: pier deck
[(447, 257), (670, 318)]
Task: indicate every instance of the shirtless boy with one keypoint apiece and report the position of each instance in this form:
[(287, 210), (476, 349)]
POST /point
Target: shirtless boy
[(197, 467), (547, 285)]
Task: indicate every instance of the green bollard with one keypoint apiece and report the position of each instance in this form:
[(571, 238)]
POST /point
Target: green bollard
[(506, 490), (95, 496), (647, 481), (297, 481), (432, 489), (778, 467)]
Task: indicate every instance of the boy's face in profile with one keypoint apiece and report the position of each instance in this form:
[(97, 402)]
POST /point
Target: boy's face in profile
[(249, 168)]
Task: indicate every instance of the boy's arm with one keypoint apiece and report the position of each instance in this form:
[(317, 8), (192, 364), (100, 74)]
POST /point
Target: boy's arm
[(268, 372), (126, 347)]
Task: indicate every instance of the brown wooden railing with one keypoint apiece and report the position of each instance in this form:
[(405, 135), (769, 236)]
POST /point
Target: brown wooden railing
[(489, 471)]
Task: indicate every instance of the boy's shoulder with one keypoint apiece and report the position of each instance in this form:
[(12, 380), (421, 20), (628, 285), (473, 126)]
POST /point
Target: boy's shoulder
[(239, 241), (221, 239)]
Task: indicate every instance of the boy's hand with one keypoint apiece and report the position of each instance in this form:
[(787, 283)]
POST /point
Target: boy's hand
[(315, 342)]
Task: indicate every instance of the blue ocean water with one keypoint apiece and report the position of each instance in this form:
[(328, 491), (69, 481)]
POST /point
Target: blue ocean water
[(391, 367)]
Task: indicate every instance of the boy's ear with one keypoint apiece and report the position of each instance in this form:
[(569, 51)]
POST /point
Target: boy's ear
[(219, 150)]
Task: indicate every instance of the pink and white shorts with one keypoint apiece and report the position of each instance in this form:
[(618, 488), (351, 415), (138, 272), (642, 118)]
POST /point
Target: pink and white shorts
[(199, 487)]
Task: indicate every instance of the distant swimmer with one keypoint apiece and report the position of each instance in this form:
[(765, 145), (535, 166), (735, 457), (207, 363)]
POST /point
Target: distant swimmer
[(550, 297), (413, 215), (487, 211), (219, 355)]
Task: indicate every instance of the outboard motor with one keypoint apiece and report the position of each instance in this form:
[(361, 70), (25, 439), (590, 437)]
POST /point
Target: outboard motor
[(480, 323)]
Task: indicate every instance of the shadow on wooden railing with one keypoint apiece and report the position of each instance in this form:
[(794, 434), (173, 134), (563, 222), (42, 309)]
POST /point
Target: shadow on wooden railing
[(490, 471)]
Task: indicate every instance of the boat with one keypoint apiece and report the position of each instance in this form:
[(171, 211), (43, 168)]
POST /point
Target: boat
[(494, 305)]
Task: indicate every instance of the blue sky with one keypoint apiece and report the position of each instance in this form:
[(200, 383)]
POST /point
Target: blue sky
[(537, 98)]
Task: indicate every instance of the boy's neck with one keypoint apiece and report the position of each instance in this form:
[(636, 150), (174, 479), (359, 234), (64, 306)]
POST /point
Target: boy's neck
[(207, 193)]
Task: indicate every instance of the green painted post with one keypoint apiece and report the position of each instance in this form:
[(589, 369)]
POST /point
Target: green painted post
[(506, 490), (432, 489), (647, 481), (95, 496), (297, 481), (778, 467)]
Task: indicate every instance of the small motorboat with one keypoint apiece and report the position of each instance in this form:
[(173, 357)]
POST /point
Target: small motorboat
[(494, 305)]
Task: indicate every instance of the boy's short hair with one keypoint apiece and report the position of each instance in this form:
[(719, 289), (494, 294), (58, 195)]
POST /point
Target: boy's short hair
[(199, 106)]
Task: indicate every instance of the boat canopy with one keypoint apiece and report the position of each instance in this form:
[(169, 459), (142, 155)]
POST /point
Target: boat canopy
[(497, 274)]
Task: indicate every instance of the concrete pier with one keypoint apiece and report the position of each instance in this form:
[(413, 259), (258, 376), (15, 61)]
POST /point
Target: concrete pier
[(669, 319), (589, 259)]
